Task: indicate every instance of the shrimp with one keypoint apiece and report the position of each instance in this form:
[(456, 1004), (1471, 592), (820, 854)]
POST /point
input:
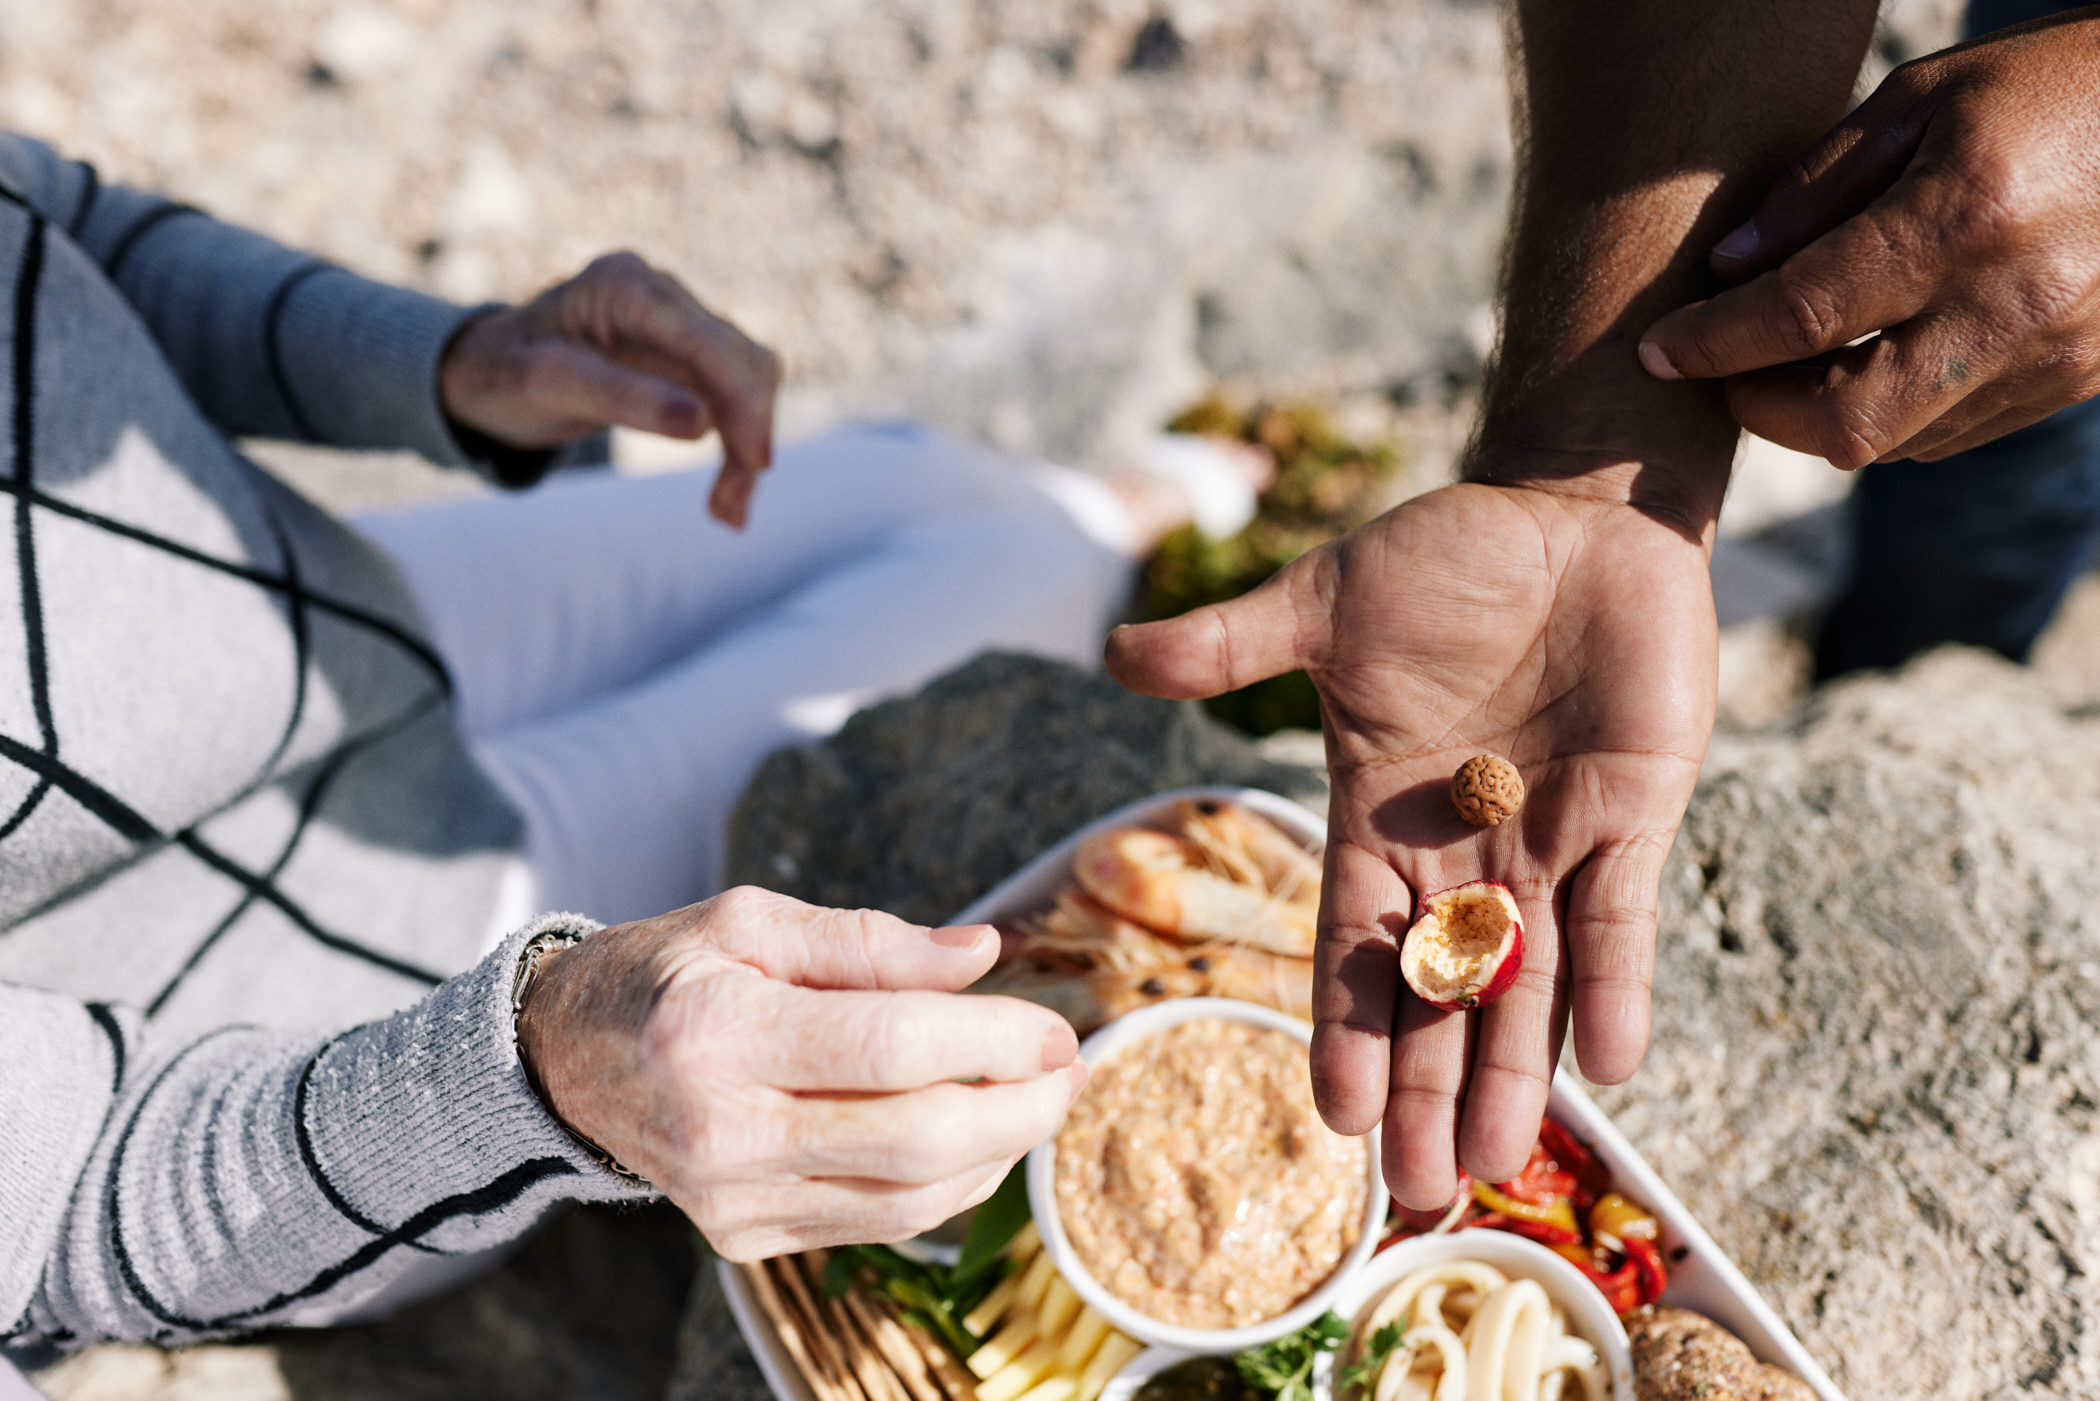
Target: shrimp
[(1249, 849), (1090, 999), (1082, 932), (1164, 882)]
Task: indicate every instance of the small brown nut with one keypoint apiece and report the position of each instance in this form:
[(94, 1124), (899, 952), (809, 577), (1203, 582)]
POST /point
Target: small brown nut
[(1486, 790)]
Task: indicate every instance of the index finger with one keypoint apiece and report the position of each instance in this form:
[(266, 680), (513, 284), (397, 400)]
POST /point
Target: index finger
[(1871, 272), (811, 1040)]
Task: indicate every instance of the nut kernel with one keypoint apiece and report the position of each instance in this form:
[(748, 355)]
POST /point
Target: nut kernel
[(1487, 791)]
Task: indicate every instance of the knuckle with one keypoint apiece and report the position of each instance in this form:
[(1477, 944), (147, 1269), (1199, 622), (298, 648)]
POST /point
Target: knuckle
[(1850, 438), (620, 265), (1808, 315), (741, 903)]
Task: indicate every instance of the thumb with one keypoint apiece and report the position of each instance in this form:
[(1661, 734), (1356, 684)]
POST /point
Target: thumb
[(1223, 646), (1851, 166), (823, 948)]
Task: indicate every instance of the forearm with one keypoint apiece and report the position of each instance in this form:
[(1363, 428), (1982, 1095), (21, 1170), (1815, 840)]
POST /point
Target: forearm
[(1645, 131), (250, 1180)]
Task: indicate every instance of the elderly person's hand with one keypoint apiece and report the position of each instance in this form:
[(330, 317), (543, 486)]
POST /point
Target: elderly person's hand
[(1956, 212), (1573, 635), (795, 1077), (621, 343)]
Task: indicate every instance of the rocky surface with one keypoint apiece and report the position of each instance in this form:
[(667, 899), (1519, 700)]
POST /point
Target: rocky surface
[(920, 805), (1875, 1076)]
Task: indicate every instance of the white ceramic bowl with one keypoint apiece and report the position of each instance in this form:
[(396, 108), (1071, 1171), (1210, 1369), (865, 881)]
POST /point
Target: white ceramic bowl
[(1589, 1317), (1141, 1369), (1042, 1193)]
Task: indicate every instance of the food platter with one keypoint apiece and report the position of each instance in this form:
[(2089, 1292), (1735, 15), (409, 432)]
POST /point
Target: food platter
[(1701, 1277)]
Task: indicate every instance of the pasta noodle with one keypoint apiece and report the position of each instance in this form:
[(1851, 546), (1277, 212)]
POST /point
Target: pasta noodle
[(1471, 1333)]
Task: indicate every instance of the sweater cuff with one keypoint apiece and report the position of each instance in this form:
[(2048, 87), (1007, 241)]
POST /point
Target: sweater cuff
[(451, 1070)]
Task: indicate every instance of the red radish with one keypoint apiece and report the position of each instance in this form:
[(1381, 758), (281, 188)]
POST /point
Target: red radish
[(1467, 947)]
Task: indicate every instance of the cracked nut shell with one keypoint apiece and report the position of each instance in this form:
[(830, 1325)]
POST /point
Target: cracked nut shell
[(1486, 790)]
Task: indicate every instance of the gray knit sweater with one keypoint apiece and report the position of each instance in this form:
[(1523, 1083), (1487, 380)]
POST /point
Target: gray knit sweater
[(236, 819)]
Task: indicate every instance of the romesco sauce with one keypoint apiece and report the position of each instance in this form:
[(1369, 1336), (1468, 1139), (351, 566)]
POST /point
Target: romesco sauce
[(1197, 1183)]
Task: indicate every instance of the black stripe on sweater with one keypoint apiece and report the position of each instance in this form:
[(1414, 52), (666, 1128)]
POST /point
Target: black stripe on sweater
[(479, 1202), (348, 612), (146, 223), (308, 806), (266, 890), (107, 1020), (91, 795), (91, 190), (273, 350), (28, 274), (303, 1136), (112, 1204)]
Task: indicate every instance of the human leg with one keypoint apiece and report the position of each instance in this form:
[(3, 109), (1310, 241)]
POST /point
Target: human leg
[(541, 601), (626, 799), (1977, 549)]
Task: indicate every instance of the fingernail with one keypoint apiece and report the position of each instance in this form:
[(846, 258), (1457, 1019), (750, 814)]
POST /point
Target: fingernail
[(1078, 1078), (681, 419), (1656, 363), (960, 936), (1060, 1047), (1740, 244)]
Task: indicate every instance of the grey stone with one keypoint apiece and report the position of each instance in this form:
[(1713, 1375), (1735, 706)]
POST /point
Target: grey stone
[(1874, 1075), (920, 805)]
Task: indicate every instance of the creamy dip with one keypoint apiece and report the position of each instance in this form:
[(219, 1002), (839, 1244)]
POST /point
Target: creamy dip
[(1196, 1182)]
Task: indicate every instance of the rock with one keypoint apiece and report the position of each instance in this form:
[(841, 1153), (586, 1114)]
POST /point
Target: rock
[(1874, 1075), (920, 805)]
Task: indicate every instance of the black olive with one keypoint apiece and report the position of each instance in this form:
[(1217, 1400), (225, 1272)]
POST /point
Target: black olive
[(1152, 987)]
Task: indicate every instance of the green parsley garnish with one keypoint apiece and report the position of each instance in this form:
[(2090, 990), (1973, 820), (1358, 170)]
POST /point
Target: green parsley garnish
[(1364, 1371), (1284, 1368)]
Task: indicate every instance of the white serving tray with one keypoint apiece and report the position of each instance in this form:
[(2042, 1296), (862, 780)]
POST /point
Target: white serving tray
[(1704, 1279)]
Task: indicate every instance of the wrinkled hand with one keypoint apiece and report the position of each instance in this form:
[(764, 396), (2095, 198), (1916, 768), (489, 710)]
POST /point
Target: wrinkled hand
[(618, 344), (1576, 638), (774, 1069), (1956, 212)]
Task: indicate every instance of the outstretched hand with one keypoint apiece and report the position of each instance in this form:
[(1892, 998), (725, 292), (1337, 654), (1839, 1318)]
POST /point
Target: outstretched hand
[(1574, 637), (621, 343), (1957, 213)]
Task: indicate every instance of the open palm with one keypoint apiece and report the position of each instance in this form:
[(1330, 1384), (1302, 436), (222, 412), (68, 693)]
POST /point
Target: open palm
[(1574, 637)]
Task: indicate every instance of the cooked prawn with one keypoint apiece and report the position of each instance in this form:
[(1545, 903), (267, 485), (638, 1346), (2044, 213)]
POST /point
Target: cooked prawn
[(1164, 882)]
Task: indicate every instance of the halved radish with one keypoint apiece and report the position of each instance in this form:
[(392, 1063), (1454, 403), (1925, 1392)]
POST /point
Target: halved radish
[(1467, 947)]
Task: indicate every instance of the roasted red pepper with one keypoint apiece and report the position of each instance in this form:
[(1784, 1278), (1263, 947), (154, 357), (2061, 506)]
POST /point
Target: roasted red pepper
[(1643, 1255), (1640, 1280), (1542, 1182), (1621, 1288), (1572, 1157)]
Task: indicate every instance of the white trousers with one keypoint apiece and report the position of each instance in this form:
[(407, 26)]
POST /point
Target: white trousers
[(623, 662)]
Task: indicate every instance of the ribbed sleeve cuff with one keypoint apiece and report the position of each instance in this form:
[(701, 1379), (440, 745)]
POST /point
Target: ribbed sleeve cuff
[(360, 363), (458, 1114)]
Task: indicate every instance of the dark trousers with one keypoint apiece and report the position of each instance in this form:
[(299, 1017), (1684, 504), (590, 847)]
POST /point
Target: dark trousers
[(1979, 548)]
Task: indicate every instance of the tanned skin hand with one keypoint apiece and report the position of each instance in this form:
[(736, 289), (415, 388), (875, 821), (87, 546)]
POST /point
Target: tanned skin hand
[(1956, 212), (1554, 609), (620, 343)]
